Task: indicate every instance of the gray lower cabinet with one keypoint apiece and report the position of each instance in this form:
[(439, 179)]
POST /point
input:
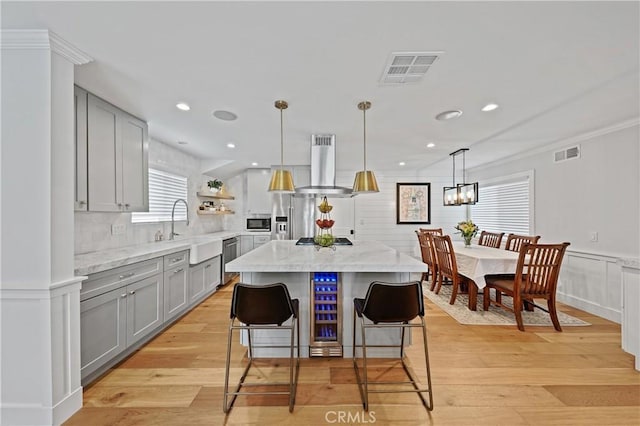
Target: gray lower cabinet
[(203, 279), (144, 308), (115, 320), (121, 308), (176, 281), (103, 328), (246, 244)]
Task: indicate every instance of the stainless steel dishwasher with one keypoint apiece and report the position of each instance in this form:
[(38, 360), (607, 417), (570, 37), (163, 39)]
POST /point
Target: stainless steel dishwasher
[(229, 252)]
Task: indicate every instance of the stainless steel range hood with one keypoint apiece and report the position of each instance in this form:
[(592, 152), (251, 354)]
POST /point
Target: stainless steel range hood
[(323, 169)]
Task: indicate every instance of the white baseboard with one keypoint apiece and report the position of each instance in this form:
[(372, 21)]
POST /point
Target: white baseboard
[(38, 415), (592, 308), (67, 407)]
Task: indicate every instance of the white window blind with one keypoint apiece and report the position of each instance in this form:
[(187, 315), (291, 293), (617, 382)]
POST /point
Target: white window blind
[(504, 207), (164, 189)]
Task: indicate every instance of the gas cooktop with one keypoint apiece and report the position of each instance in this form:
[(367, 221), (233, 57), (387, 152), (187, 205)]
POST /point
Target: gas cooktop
[(308, 241)]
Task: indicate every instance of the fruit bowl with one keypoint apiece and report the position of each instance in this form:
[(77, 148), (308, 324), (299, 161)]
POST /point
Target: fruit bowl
[(324, 240), (325, 223)]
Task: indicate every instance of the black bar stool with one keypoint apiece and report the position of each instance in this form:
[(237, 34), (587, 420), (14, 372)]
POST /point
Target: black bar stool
[(263, 307), (389, 305)]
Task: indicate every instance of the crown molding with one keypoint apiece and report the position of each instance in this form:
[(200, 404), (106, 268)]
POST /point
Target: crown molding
[(43, 39), (583, 137)]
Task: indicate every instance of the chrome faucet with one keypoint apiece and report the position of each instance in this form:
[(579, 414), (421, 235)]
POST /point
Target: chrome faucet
[(173, 210)]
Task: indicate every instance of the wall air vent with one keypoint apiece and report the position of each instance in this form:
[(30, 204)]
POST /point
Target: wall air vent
[(566, 154), (408, 67)]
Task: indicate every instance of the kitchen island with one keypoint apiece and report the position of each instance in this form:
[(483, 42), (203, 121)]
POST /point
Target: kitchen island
[(357, 266)]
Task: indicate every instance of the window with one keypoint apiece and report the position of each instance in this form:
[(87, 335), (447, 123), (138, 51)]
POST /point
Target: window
[(505, 205), (164, 189)]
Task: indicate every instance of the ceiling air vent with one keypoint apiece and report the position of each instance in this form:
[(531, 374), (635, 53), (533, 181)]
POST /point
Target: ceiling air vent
[(566, 154), (408, 67)]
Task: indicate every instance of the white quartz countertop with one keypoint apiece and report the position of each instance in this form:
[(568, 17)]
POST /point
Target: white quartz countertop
[(363, 256), (97, 261)]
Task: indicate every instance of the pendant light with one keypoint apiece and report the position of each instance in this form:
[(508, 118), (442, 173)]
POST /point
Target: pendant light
[(462, 193), (365, 180), (281, 180)]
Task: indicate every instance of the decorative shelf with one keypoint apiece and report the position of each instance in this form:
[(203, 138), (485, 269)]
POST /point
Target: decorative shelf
[(214, 195), (209, 212)]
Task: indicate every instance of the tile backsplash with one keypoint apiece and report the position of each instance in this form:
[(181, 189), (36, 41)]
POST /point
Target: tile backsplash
[(93, 230)]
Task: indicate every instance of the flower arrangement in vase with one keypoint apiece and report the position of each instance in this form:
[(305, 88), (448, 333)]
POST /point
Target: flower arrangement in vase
[(468, 230)]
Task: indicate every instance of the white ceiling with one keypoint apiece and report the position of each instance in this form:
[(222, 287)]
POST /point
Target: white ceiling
[(557, 69)]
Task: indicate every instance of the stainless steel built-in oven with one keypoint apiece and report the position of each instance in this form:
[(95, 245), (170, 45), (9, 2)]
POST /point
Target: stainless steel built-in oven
[(326, 315), (229, 252), (258, 224)]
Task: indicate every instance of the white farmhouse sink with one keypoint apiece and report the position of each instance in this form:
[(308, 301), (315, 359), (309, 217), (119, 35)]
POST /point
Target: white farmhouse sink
[(203, 248)]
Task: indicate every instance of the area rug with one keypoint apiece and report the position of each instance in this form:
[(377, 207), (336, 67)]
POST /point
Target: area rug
[(495, 315)]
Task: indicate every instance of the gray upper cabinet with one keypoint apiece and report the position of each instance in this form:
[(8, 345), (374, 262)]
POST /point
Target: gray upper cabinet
[(257, 198), (81, 196), (117, 152)]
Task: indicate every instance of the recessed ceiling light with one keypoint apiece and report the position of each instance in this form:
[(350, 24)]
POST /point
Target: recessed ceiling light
[(183, 106), (182, 142), (231, 145), (254, 164), (449, 115), (225, 115), (490, 107), (402, 163), (431, 145)]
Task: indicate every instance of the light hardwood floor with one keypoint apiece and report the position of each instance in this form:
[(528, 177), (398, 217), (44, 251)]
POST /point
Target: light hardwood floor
[(482, 375)]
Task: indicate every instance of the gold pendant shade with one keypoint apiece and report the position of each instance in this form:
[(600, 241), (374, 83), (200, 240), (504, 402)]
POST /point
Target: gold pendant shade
[(365, 180), (281, 180)]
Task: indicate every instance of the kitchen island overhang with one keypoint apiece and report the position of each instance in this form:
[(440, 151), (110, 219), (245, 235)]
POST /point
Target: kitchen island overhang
[(358, 265)]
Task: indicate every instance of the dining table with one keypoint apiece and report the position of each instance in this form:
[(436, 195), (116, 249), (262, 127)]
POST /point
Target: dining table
[(475, 261)]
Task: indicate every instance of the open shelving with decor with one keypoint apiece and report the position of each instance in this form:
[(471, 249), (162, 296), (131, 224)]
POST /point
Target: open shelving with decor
[(215, 195), (213, 212), (210, 207)]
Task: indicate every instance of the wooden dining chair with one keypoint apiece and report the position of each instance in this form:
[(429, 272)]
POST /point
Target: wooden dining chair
[(514, 242), (447, 266), (428, 254), (536, 278), (490, 239)]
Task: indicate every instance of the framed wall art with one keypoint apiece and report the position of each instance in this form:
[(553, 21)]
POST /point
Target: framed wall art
[(413, 203)]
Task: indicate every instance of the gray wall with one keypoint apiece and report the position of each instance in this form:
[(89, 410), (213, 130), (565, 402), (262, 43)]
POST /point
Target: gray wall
[(597, 192)]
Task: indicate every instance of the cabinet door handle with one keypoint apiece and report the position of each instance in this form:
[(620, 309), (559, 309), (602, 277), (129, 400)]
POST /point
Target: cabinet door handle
[(82, 202), (178, 270), (127, 275), (126, 206), (177, 259), (132, 292), (208, 266), (123, 295)]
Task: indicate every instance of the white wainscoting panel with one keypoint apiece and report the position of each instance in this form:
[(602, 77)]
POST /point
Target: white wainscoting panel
[(631, 307), (593, 283)]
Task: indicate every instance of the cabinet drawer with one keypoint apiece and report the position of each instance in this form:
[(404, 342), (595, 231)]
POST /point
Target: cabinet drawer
[(105, 281), (176, 260), (261, 239)]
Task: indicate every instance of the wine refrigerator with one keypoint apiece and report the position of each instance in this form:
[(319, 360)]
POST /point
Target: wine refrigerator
[(326, 315)]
